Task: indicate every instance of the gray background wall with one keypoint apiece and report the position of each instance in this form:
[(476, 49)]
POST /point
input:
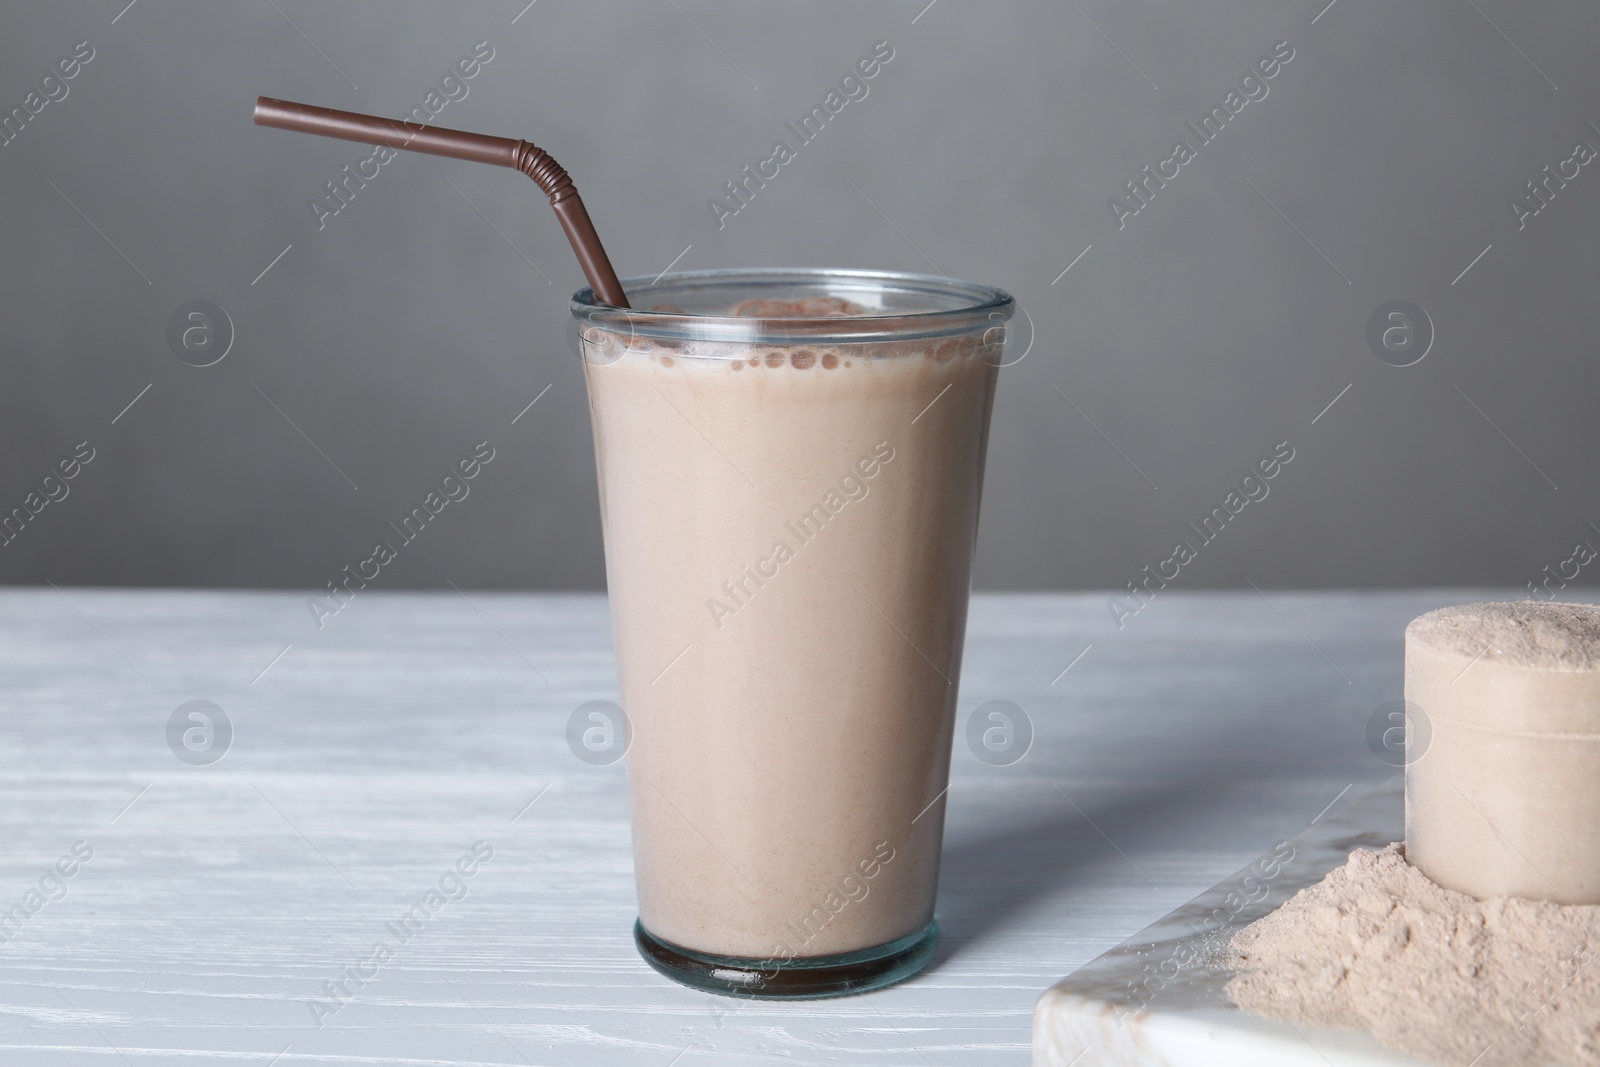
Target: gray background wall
[(1220, 321)]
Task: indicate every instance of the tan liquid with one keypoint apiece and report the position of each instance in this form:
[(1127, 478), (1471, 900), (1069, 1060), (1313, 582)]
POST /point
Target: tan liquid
[(788, 551)]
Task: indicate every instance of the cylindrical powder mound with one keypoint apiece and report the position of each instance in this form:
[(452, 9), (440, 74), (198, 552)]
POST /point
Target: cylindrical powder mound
[(1503, 776)]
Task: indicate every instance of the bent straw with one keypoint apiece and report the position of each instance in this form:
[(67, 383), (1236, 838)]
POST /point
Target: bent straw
[(529, 158)]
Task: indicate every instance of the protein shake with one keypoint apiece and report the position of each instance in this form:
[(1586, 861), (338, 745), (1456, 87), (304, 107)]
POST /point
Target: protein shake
[(790, 465), (789, 527)]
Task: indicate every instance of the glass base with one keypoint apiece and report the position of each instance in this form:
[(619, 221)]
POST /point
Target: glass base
[(800, 978)]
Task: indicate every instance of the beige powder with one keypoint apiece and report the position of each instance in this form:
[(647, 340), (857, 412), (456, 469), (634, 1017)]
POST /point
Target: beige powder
[(1377, 946), (1525, 633)]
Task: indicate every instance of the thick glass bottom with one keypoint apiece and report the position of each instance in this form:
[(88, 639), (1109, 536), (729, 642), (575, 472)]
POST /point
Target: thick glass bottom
[(801, 978)]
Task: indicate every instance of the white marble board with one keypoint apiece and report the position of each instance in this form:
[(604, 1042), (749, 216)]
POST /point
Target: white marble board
[(1159, 999)]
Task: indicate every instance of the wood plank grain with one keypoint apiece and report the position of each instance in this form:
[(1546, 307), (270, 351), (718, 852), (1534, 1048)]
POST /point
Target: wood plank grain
[(373, 753)]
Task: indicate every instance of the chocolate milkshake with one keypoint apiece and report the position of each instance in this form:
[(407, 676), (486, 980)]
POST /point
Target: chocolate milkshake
[(789, 489), (790, 465)]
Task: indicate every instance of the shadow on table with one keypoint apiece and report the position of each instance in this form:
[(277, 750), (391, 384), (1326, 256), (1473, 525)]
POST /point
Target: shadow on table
[(984, 881), (1193, 742)]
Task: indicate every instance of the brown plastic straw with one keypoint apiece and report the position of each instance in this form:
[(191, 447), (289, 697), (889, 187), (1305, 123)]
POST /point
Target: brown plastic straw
[(530, 159)]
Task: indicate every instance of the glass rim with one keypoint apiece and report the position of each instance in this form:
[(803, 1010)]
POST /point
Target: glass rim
[(976, 307)]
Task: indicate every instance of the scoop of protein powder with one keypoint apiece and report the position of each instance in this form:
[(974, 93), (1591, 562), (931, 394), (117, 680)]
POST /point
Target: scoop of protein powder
[(1504, 798)]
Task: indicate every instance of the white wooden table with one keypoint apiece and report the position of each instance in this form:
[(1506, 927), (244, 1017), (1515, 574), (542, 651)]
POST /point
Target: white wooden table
[(368, 758)]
